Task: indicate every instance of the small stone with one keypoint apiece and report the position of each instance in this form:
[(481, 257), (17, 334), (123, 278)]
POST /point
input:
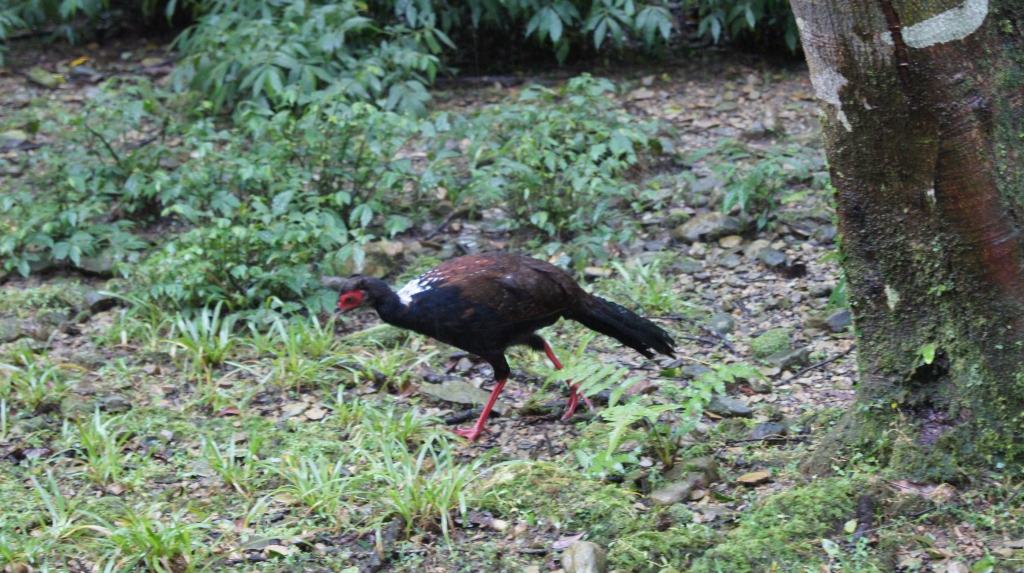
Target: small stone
[(99, 302), (532, 569), (839, 320), (768, 430), (640, 94), (821, 290), (825, 234), (759, 385), (730, 241), (771, 257), (584, 557), (710, 225), (790, 359), (101, 264), (597, 272), (464, 365), (674, 492), (695, 370), (13, 138), (315, 414), (751, 251), (730, 261), (44, 78), (687, 266), (728, 407), (116, 404), (461, 392), (722, 323), (150, 62), (754, 478), (705, 468), (10, 330)]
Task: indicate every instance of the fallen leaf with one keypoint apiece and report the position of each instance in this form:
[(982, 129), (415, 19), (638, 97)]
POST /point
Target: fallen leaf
[(277, 551), (564, 542), (79, 61), (227, 411)]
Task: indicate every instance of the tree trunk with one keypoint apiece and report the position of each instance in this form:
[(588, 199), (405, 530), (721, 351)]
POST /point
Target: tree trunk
[(923, 122)]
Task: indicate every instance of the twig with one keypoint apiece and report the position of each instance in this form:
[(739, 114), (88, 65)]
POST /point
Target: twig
[(113, 153), (23, 146), (447, 219), (697, 338), (823, 363), (466, 416), (772, 438), (1015, 494), (722, 339)]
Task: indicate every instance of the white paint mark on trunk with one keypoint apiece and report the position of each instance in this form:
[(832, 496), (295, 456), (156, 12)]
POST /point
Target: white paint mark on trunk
[(931, 195), (841, 116), (892, 298), (954, 24), (826, 80)]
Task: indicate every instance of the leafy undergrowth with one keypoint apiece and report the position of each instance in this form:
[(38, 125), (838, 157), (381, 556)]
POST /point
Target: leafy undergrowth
[(210, 416)]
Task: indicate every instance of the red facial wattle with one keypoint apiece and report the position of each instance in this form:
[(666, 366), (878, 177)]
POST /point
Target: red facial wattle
[(350, 300)]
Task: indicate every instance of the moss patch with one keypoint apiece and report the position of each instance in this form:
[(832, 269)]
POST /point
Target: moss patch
[(772, 341)]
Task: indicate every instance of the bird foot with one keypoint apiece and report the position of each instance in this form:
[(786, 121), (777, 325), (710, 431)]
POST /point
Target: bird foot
[(470, 434)]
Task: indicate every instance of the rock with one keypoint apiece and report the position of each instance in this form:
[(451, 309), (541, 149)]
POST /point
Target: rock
[(730, 261), (771, 257), (839, 320), (825, 234), (711, 225), (673, 493), (705, 468), (768, 430), (101, 264), (754, 478), (464, 365), (640, 94), (13, 138), (53, 318), (722, 323), (150, 62), (790, 359), (99, 302), (584, 557), (815, 322), (597, 272), (730, 241), (822, 290), (460, 392), (675, 218), (695, 370), (116, 404), (44, 78), (10, 330), (471, 243), (447, 251), (389, 248), (687, 266), (760, 385), (770, 342), (728, 407)]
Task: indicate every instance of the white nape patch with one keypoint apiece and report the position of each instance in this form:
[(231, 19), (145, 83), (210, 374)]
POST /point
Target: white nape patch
[(954, 24), (416, 286), (892, 298), (411, 289)]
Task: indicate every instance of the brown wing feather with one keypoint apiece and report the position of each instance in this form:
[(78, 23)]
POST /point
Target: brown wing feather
[(516, 288)]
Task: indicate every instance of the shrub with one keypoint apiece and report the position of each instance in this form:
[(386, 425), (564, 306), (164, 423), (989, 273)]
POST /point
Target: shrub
[(282, 52), (558, 159)]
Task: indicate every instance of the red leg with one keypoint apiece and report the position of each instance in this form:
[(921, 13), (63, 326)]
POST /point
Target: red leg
[(478, 428), (574, 396)]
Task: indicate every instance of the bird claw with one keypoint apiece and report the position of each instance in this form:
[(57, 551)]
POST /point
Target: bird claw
[(470, 434)]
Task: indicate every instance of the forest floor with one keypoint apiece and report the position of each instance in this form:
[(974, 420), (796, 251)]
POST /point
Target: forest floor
[(116, 447)]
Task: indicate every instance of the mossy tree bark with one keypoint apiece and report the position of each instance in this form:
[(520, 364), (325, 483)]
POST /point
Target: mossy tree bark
[(923, 115)]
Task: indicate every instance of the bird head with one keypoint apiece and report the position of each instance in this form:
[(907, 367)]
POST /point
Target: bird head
[(355, 292)]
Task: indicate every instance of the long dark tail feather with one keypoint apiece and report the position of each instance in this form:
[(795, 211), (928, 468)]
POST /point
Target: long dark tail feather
[(625, 326)]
